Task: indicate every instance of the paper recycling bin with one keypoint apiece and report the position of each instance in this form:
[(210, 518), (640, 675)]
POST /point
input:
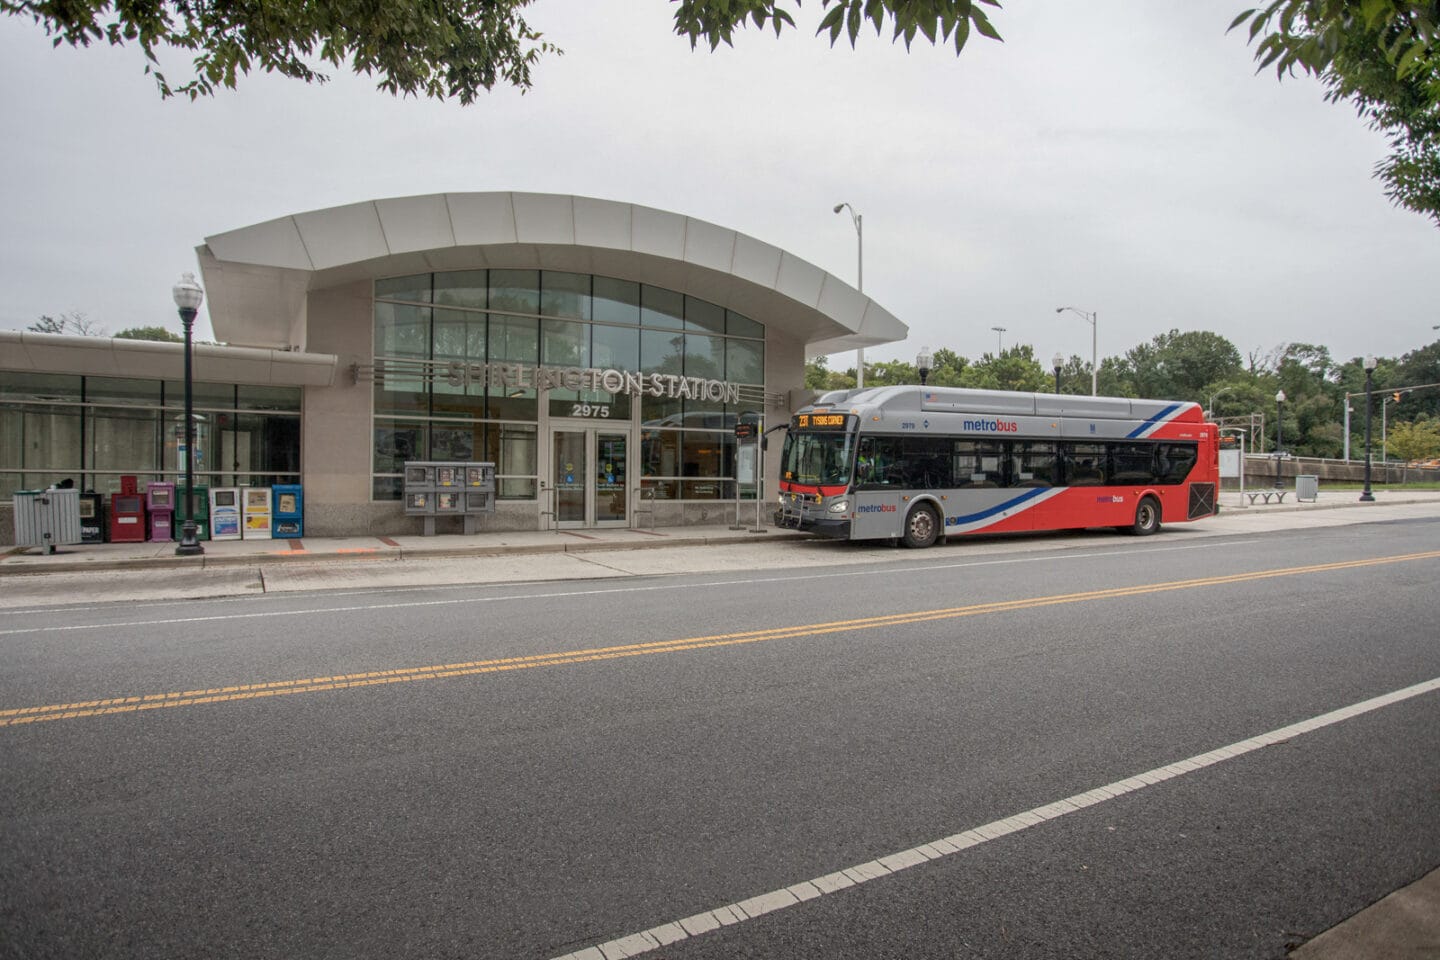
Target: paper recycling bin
[(46, 518)]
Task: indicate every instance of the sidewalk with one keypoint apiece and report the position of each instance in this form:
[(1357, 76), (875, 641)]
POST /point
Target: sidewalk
[(1402, 926), (137, 556)]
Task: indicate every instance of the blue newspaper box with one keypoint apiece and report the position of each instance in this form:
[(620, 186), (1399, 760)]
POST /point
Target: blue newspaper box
[(288, 520)]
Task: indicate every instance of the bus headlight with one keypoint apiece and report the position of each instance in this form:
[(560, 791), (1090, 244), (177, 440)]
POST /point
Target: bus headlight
[(840, 506)]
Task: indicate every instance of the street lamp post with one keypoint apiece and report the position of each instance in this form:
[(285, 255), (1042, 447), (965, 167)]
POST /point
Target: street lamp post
[(999, 340), (1279, 435), (188, 297), (1367, 496), (1057, 362), (1092, 318), (923, 363), (859, 222)]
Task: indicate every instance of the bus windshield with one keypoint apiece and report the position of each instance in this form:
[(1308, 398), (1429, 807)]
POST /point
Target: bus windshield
[(819, 459)]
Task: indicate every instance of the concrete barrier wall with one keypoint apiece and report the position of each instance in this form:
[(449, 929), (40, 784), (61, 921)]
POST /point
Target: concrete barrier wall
[(1261, 471)]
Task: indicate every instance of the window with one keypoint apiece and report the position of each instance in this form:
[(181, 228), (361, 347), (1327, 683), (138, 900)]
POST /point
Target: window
[(978, 463), (1173, 461), (1034, 464), (1132, 463), (915, 463), (1084, 464)]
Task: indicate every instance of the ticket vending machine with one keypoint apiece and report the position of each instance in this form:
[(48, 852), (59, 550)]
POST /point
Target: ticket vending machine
[(256, 522), (289, 506), (225, 515), (92, 517), (160, 502), (127, 513)]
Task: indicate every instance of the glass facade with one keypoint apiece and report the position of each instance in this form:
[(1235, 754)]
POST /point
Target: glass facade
[(430, 328), (93, 430)]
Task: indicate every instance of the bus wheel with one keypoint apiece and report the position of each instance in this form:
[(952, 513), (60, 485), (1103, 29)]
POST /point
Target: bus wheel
[(1147, 517), (921, 526)]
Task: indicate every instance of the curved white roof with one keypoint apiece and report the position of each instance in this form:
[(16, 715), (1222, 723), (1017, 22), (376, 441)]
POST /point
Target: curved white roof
[(257, 277)]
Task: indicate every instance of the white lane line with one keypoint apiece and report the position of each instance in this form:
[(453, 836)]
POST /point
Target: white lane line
[(701, 923), (546, 595)]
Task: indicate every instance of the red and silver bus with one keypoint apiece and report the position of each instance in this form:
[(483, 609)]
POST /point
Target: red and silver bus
[(915, 464)]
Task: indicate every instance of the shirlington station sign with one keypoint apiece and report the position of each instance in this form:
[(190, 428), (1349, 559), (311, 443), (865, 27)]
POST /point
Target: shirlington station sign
[(520, 376)]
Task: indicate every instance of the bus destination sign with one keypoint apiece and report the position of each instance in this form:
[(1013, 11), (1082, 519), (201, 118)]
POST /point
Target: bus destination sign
[(821, 421)]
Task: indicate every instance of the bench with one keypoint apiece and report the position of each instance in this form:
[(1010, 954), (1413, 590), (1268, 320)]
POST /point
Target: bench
[(1279, 495)]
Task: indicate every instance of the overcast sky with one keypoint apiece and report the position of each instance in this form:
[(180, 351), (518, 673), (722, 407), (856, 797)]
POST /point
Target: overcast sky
[(1119, 156)]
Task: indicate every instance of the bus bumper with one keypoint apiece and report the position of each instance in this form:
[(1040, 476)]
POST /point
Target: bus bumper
[(835, 529)]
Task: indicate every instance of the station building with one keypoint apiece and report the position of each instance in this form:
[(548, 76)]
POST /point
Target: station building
[(599, 353)]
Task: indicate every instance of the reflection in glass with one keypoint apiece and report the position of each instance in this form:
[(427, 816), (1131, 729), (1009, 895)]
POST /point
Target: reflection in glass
[(517, 291), (661, 308), (565, 295), (461, 288)]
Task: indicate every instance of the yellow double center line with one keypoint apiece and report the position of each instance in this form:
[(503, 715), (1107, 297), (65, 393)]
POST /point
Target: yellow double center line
[(280, 688)]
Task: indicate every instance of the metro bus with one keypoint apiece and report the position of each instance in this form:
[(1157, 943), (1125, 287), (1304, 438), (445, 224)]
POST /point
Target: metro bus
[(915, 464)]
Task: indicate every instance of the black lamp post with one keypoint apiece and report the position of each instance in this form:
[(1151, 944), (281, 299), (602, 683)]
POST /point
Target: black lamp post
[(1367, 496), (1279, 435), (1057, 361), (923, 363), (188, 297)]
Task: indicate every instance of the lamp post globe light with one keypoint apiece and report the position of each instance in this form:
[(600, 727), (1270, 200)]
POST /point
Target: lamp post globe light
[(859, 222), (1091, 317), (1367, 496), (188, 297), (1057, 362), (924, 363), (1279, 435)]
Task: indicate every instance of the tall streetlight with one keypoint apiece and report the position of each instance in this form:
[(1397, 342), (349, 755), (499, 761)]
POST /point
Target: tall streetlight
[(1210, 410), (999, 340), (859, 222), (1279, 435), (1367, 496), (188, 297), (924, 363), (1090, 317), (1057, 362)]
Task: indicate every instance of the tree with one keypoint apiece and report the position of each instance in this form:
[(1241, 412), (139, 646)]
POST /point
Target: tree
[(72, 322), (714, 21), (1384, 57), (442, 48), (149, 333), (1013, 369), (439, 48), (1419, 440), (1178, 365)]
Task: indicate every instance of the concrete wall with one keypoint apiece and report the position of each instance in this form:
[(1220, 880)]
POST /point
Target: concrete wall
[(1261, 471), (335, 436)]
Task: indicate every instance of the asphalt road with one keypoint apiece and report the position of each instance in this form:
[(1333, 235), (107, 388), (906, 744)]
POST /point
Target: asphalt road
[(535, 770)]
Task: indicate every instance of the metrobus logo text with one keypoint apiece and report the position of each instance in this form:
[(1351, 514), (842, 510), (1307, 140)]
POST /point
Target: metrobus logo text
[(991, 426)]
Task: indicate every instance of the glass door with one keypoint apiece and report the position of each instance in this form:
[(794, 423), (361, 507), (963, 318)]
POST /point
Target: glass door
[(610, 489), (590, 468), (571, 476)]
